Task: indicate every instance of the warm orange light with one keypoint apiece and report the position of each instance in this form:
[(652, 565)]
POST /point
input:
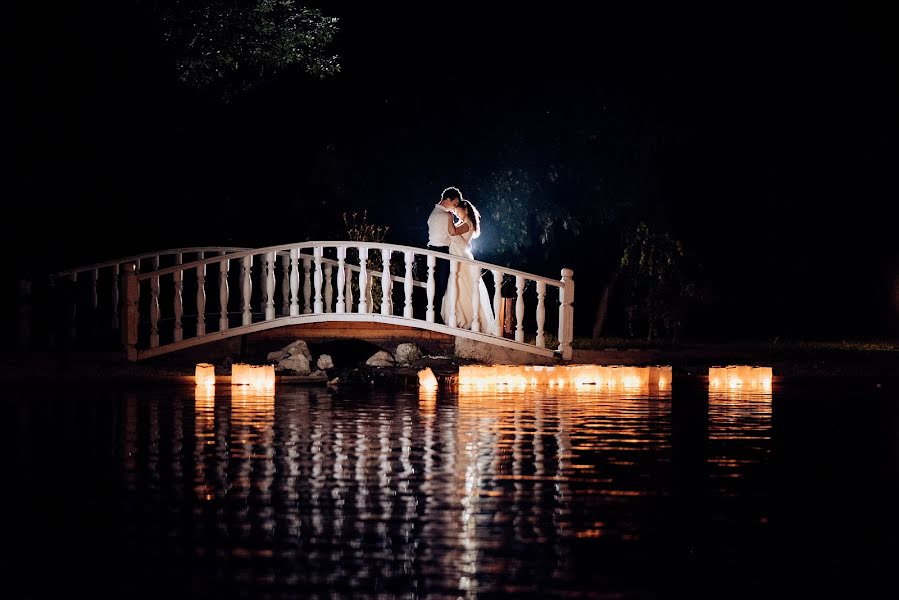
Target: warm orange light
[(426, 379), (579, 377), (240, 374), (262, 377), (736, 377), (204, 374)]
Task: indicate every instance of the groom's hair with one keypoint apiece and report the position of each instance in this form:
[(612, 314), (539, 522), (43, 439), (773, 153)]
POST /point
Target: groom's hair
[(451, 193)]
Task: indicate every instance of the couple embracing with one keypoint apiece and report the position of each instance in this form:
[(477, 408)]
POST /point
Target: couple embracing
[(452, 225)]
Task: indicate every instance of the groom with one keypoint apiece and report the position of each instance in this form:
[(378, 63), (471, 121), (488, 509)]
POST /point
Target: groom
[(439, 241)]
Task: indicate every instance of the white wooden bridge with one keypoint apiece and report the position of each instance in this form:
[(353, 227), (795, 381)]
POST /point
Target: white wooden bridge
[(175, 299)]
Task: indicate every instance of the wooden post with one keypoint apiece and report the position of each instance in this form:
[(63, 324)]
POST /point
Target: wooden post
[(130, 293), (566, 314)]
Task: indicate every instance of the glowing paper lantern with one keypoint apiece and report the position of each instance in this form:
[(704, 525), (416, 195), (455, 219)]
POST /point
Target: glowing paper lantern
[(204, 374), (736, 377), (240, 374), (262, 377), (581, 377), (426, 379)]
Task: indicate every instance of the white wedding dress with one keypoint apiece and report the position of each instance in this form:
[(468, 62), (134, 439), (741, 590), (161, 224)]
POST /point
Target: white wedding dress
[(468, 279)]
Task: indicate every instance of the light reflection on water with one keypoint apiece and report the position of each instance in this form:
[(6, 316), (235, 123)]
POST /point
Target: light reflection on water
[(449, 493), (311, 492)]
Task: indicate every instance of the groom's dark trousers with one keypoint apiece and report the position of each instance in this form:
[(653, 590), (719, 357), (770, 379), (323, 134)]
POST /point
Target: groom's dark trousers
[(441, 277)]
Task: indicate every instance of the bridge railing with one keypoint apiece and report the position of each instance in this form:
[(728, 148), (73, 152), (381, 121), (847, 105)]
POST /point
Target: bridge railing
[(104, 290), (239, 289)]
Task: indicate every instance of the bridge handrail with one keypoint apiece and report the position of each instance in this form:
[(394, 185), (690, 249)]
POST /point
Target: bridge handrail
[(146, 255), (347, 244)]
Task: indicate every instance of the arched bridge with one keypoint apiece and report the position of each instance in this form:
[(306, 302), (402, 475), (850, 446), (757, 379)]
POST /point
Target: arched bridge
[(175, 299)]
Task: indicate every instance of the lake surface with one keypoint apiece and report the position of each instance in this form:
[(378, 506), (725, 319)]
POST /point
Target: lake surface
[(172, 492)]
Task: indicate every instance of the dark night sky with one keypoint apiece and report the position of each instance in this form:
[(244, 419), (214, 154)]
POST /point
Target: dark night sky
[(763, 136)]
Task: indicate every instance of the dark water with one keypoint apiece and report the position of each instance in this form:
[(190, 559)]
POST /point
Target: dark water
[(161, 492)]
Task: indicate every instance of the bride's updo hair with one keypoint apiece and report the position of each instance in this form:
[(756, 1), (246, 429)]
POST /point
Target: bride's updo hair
[(472, 216)]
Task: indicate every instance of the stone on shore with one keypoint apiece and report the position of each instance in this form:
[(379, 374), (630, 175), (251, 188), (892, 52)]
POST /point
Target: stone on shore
[(407, 353), (298, 364), (296, 348), (381, 359), (324, 362), (276, 356)]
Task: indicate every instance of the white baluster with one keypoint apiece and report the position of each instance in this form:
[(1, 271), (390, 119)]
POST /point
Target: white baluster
[(294, 282), (178, 277), (317, 253), (246, 291), (566, 313), (452, 288), (408, 257), (130, 316), (541, 313), (363, 279), (285, 283), (349, 290), (307, 286), (201, 297), (223, 293), (329, 288), (497, 300), (270, 287), (94, 300), (154, 311), (475, 297), (154, 305), (431, 288), (519, 308), (115, 297), (341, 279), (263, 276), (386, 284)]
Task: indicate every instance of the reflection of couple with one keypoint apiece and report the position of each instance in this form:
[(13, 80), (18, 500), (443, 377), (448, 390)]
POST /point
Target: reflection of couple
[(452, 225)]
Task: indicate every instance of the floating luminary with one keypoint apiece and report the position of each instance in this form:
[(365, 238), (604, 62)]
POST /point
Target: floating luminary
[(579, 377), (426, 379), (240, 374), (262, 377), (740, 376), (204, 374)]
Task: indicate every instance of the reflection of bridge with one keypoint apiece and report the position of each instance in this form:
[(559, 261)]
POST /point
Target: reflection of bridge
[(178, 303)]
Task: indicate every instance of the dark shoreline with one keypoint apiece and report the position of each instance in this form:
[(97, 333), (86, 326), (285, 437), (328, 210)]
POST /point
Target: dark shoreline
[(688, 363)]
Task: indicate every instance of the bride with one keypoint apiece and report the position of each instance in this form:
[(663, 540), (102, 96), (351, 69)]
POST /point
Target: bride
[(461, 234)]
